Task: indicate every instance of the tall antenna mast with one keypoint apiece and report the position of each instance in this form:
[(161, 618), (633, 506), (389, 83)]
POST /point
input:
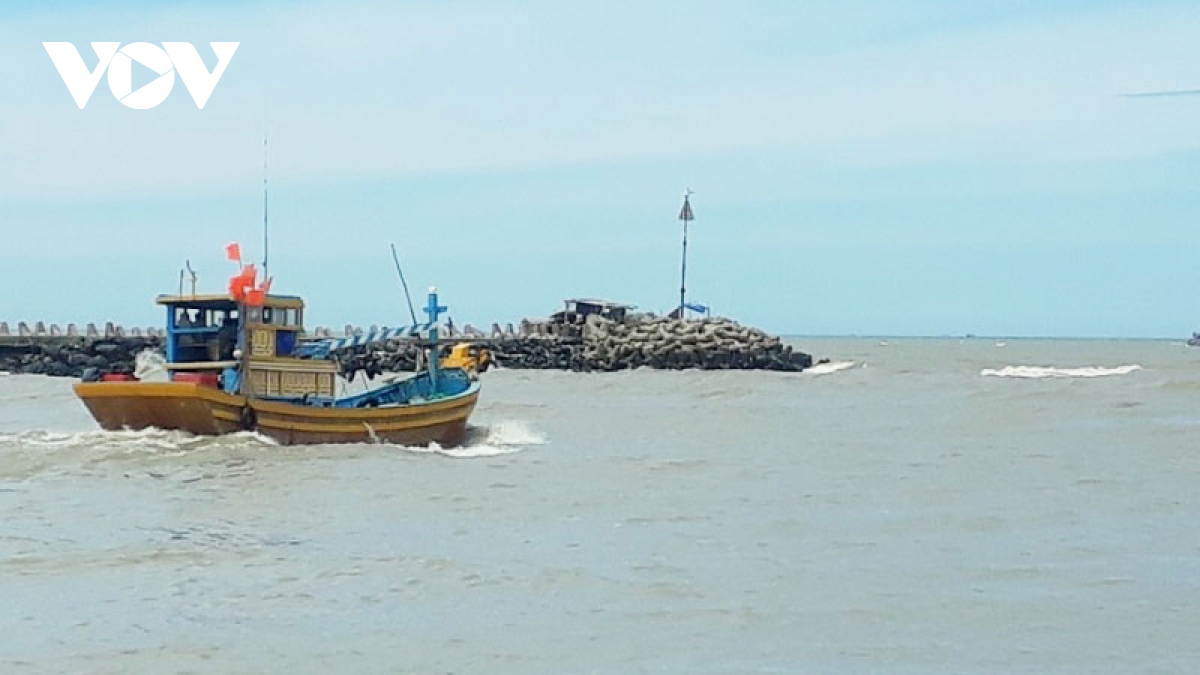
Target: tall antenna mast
[(685, 214), (265, 240), (411, 312)]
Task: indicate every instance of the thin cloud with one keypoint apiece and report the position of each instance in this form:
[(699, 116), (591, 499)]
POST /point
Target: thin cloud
[(365, 90), (1178, 92)]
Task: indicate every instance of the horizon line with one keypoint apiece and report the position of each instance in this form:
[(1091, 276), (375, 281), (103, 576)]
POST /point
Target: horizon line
[(882, 336)]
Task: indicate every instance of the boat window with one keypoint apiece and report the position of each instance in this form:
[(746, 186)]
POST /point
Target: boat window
[(266, 314), (285, 342), (194, 317)]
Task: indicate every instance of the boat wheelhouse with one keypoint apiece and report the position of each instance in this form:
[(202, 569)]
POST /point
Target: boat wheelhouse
[(212, 339)]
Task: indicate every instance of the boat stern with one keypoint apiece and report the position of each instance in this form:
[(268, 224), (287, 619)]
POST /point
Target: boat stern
[(183, 406)]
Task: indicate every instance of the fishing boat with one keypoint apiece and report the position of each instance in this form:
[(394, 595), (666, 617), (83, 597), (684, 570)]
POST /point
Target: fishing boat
[(1194, 341), (240, 361)]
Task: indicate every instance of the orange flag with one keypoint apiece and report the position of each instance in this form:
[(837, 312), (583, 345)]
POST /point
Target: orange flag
[(233, 252), (242, 282)]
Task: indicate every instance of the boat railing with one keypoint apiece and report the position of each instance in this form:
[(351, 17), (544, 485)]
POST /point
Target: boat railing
[(323, 348)]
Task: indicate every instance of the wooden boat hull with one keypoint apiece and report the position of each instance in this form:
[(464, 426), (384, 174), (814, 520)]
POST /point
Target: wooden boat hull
[(443, 422), (184, 406), (203, 410)]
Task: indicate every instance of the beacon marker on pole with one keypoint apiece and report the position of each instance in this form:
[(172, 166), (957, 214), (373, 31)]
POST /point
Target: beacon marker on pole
[(686, 215)]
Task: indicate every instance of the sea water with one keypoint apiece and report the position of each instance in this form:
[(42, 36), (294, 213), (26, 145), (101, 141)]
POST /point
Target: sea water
[(912, 506)]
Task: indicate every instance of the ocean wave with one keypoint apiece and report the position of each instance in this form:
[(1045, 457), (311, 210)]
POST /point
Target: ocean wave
[(144, 441), (503, 438), (1044, 372), (497, 439), (156, 452), (831, 367), (187, 458)]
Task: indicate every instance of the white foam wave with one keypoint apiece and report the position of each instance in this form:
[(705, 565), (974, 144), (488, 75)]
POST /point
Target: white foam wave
[(141, 441), (1044, 372), (502, 438), (513, 433), (464, 451), (150, 366), (831, 367)]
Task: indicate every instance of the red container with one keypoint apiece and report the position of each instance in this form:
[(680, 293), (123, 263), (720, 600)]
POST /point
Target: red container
[(202, 379), (116, 377)]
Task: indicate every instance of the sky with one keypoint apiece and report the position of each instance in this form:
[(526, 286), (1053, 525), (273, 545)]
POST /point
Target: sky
[(873, 168)]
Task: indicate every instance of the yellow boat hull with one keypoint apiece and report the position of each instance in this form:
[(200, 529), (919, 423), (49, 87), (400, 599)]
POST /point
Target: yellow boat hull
[(202, 410)]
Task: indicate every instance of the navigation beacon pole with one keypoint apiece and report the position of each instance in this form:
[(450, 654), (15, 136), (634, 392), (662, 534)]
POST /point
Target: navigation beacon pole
[(685, 214)]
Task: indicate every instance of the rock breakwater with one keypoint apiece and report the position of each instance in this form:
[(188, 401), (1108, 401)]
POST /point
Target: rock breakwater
[(598, 345), (708, 344), (606, 346), (72, 357)]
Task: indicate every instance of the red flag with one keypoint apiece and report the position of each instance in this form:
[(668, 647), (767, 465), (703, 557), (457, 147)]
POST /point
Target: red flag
[(233, 252), (249, 274), (242, 282), (255, 296)]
